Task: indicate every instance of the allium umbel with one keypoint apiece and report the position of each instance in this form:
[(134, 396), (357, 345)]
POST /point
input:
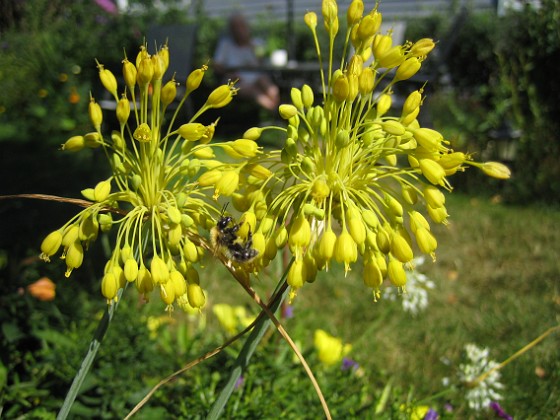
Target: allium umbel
[(155, 197), (353, 176)]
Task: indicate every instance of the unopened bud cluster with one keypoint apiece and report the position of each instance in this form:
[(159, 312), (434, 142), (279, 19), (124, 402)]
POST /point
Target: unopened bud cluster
[(159, 196)]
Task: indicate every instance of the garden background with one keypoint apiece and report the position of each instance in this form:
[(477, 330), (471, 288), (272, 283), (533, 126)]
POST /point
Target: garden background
[(496, 276)]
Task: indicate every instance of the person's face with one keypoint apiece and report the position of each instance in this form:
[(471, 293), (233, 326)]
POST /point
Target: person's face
[(240, 31)]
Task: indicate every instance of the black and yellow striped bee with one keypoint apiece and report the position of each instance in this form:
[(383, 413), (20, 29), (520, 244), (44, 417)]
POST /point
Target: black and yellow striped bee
[(224, 237)]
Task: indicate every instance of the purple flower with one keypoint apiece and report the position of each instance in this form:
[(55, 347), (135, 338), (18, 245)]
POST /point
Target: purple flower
[(288, 311), (239, 383), (348, 364), (431, 415), (108, 6), (500, 412)]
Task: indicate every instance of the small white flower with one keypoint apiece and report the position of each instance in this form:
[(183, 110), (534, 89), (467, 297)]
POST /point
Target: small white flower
[(479, 394), (415, 299)]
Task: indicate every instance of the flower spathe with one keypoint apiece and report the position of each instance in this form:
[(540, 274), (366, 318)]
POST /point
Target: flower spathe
[(352, 175)]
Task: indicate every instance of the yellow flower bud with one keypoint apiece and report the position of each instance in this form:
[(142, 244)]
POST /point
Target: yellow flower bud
[(295, 95), (429, 139), (71, 235), (356, 226), (221, 96), (227, 184), (366, 81), (195, 295), (383, 239), (412, 102), (130, 269), (432, 171), (307, 96), (438, 214), (164, 56), (145, 72), (88, 229), (143, 133), (393, 205), (194, 79), (409, 194), (74, 144), (204, 153), (422, 47), (320, 190), (109, 286), (381, 44), (296, 276), (177, 282), (129, 74), (167, 293), (253, 133), (426, 241), (191, 131), (108, 80), (74, 257), (345, 250), (287, 111), (259, 171), (496, 170), (370, 218), (329, 9), (417, 220), (123, 110), (400, 248), (159, 66), (248, 222), (354, 12), (373, 277), (396, 273), (159, 270), (408, 68), (50, 245), (189, 251), (168, 93), (300, 233), (383, 104), (245, 147), (95, 114), (341, 88), (326, 245), (102, 190), (368, 27), (391, 58), (434, 196), (209, 178), (393, 127), (310, 19), (281, 237), (144, 282)]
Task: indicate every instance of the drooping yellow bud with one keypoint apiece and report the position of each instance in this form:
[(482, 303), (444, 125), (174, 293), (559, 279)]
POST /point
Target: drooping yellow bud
[(194, 79), (417, 220), (196, 296), (108, 80), (221, 96), (253, 133), (259, 171), (227, 184), (383, 239), (400, 248), (102, 190), (287, 111), (426, 241), (178, 282), (74, 144), (209, 178), (130, 269), (392, 58), (204, 153), (438, 214), (345, 250), (496, 170), (144, 282), (432, 171), (245, 147), (167, 293), (50, 245), (408, 68), (373, 277), (396, 273), (393, 127), (434, 196), (429, 139), (422, 47), (296, 276), (326, 245), (159, 270), (409, 194), (300, 232), (74, 257), (412, 102), (109, 286), (191, 131), (248, 223), (370, 218)]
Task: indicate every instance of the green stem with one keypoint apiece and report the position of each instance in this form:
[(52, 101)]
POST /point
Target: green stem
[(102, 328), (246, 353)]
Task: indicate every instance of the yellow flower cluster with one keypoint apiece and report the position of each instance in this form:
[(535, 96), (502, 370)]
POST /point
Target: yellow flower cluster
[(156, 195), (354, 177)]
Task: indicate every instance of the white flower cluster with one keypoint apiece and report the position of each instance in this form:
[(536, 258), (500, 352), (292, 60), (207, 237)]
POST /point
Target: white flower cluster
[(415, 299), (479, 394)]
